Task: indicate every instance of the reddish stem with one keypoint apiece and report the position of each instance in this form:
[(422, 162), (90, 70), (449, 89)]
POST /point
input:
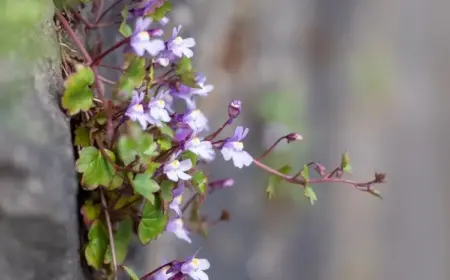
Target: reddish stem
[(110, 50), (156, 270)]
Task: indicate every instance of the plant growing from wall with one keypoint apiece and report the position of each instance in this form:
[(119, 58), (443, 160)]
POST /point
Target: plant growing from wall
[(137, 155)]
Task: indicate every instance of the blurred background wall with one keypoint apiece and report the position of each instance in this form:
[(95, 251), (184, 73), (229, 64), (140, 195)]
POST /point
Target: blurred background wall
[(367, 76)]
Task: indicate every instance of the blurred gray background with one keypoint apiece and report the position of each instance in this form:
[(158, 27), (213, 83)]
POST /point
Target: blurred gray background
[(367, 76)]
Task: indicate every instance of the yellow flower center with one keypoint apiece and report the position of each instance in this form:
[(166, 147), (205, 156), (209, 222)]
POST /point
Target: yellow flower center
[(196, 141), (160, 103), (179, 199), (178, 40), (179, 222), (195, 262), (139, 108), (238, 146), (175, 164), (144, 36)]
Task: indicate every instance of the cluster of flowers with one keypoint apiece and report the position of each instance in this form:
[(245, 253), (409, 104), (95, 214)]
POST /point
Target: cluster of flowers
[(188, 127)]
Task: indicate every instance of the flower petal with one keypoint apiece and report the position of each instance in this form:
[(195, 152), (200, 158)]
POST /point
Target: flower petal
[(172, 175), (183, 176), (189, 42), (203, 264), (185, 165)]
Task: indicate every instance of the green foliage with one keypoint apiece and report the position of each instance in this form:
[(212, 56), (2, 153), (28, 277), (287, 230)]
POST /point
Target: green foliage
[(275, 180), (166, 190), (124, 28), (82, 136), (166, 130), (144, 185), (122, 240), (161, 12), (190, 155), (97, 245), (345, 163), (133, 75), (131, 273), (96, 169), (142, 145), (90, 212), (200, 181), (184, 65), (78, 95), (310, 194), (153, 221)]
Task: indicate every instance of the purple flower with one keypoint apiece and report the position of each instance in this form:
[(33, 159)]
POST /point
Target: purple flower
[(161, 274), (157, 111), (179, 46), (187, 93), (141, 41), (234, 149), (220, 184), (136, 111), (177, 199), (176, 170), (195, 268), (203, 149), (145, 7), (196, 120), (176, 226)]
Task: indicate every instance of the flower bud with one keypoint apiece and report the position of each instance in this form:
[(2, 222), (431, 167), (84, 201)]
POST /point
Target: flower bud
[(380, 177), (234, 108), (291, 137), (320, 169)]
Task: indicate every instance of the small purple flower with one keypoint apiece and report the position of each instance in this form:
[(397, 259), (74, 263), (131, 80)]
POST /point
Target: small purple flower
[(187, 93), (234, 149), (196, 120), (141, 40), (176, 170), (157, 112), (161, 274), (195, 268), (179, 46), (177, 199), (203, 149), (136, 111), (176, 226)]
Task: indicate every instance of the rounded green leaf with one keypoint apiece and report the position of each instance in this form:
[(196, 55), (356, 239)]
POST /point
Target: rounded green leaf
[(78, 96), (153, 221), (131, 273), (144, 185), (97, 245)]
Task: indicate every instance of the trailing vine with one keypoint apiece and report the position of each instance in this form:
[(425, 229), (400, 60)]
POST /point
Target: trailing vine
[(137, 155)]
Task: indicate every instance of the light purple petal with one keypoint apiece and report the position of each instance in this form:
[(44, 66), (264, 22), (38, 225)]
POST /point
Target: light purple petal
[(181, 233), (172, 175), (185, 165), (155, 46), (187, 52), (227, 153), (247, 159), (189, 42), (244, 134), (203, 264), (142, 24), (199, 275), (237, 160), (183, 176)]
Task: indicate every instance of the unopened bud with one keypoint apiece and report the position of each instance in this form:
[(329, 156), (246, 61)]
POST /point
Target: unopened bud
[(220, 184), (320, 169), (291, 137), (224, 216), (234, 108), (379, 177)]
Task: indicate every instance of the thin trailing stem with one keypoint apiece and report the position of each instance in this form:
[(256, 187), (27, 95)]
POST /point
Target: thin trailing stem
[(217, 132), (156, 270), (110, 233), (110, 50), (268, 151), (74, 37), (100, 16), (189, 202)]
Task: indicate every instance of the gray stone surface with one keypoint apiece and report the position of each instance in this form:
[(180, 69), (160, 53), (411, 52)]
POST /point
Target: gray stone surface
[(38, 211)]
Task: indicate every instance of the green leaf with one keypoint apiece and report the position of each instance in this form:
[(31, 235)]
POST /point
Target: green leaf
[(143, 146), (151, 167), (305, 172), (122, 240), (345, 162), (166, 130), (144, 185), (126, 200), (82, 136), (200, 181), (133, 75), (164, 144), (153, 221), (189, 80), (124, 28), (190, 155), (275, 180), (97, 245), (184, 66), (131, 273), (166, 190), (101, 118), (310, 194), (90, 212), (161, 12), (96, 169), (78, 96)]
